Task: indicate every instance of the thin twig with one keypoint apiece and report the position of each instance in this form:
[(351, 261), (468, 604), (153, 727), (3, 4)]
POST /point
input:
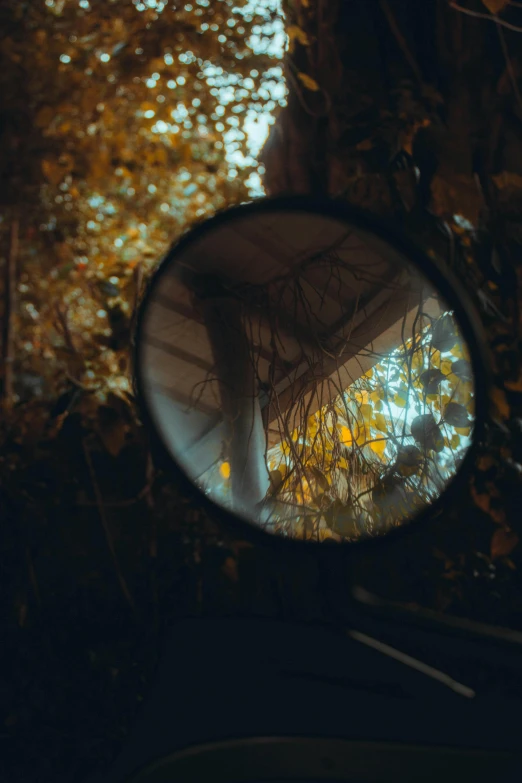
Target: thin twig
[(106, 528), (487, 17), (64, 324), (413, 663), (388, 13), (144, 493), (509, 65)]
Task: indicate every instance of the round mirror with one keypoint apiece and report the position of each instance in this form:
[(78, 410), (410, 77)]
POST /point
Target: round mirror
[(307, 372)]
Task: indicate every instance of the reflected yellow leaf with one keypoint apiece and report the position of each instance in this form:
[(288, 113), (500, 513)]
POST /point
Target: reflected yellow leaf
[(380, 422), (362, 436), (418, 360), (225, 470), (366, 412), (346, 436), (463, 430), (378, 446), (435, 359)]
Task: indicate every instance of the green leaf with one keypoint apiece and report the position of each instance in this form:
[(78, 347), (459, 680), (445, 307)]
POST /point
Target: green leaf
[(380, 422), (443, 336), (431, 380), (409, 460), (456, 415), (426, 432), (399, 401), (342, 519), (462, 369)]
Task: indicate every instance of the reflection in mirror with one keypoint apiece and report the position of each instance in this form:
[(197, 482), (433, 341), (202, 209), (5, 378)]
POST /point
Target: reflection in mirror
[(305, 375)]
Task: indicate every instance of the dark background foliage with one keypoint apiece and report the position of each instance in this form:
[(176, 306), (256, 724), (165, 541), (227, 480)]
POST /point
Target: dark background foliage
[(409, 109)]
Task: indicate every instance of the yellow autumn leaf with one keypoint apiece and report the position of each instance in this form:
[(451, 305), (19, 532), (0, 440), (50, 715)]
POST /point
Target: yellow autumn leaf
[(380, 422), (346, 436), (295, 33), (361, 396), (500, 402), (362, 436), (446, 366), (463, 430), (417, 361), (225, 470), (324, 533), (400, 402), (514, 385), (378, 446), (495, 6), (508, 180), (366, 412), (308, 82)]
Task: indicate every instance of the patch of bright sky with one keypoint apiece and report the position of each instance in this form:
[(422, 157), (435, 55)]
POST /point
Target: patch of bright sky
[(257, 125), (268, 38)]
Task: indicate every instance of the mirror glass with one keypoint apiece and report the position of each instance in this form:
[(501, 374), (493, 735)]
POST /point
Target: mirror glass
[(304, 375)]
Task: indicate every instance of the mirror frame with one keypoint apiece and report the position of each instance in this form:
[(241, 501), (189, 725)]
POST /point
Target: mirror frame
[(435, 272), (301, 759)]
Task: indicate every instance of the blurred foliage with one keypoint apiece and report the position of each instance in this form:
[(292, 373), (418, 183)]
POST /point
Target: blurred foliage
[(385, 446), (380, 450), (122, 123)]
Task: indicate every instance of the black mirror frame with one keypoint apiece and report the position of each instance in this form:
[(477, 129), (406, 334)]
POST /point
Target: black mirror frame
[(434, 271), (326, 759)]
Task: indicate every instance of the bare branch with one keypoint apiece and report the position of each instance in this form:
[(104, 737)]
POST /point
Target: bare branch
[(487, 17)]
